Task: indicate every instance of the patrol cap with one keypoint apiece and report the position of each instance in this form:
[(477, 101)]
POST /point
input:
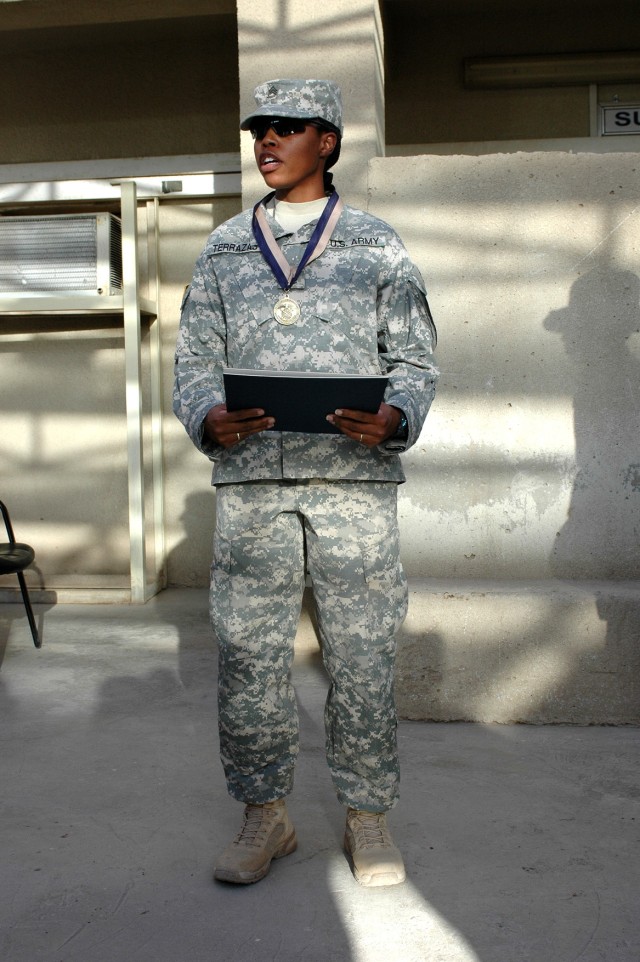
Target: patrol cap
[(303, 99)]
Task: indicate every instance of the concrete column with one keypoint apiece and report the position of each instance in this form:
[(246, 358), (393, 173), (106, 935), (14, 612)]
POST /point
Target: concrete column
[(342, 42)]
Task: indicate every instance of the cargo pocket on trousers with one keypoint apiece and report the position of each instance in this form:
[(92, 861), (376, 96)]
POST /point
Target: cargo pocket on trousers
[(220, 585), (388, 594)]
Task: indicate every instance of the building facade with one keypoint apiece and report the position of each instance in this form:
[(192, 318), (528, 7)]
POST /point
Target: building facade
[(501, 140)]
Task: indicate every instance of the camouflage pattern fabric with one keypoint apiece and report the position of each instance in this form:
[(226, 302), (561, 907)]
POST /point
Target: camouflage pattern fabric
[(303, 99), (349, 531), (364, 310)]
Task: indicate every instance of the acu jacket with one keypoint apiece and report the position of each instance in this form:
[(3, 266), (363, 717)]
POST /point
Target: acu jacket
[(364, 310)]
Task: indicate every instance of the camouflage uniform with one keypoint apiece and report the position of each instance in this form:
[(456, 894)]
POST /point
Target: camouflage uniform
[(364, 310)]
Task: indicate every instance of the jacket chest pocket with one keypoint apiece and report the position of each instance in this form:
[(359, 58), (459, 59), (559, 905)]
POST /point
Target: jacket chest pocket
[(249, 292), (347, 285)]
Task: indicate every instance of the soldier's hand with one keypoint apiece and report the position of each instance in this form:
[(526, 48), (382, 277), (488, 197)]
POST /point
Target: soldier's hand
[(367, 429), (229, 428)]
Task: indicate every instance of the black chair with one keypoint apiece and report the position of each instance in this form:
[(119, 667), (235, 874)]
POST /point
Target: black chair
[(14, 558)]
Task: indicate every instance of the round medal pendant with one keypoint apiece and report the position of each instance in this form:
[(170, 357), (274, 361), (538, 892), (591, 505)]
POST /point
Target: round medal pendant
[(286, 311)]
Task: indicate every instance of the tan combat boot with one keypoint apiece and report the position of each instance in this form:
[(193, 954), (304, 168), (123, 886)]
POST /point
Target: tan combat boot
[(266, 833), (375, 860)]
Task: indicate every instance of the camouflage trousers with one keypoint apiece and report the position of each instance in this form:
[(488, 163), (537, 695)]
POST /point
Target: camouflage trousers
[(347, 533)]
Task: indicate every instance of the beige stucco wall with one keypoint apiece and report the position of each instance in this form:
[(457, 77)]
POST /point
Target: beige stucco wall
[(331, 39), (63, 453), (189, 497), (64, 443), (529, 464), (523, 500)]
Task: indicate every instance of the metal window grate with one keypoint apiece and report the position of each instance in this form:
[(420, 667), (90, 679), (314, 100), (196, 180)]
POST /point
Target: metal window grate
[(61, 252)]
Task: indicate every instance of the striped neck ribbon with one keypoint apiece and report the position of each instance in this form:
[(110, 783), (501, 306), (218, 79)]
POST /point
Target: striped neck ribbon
[(284, 273)]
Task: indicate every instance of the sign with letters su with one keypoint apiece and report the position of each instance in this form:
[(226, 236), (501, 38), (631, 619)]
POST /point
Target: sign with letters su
[(621, 119)]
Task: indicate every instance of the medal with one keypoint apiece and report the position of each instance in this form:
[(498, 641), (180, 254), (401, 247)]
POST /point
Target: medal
[(286, 311)]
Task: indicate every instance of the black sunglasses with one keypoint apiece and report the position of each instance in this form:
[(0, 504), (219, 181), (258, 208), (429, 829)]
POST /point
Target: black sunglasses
[(282, 126)]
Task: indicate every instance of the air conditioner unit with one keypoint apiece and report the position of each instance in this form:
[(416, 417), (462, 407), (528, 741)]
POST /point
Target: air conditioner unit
[(67, 253)]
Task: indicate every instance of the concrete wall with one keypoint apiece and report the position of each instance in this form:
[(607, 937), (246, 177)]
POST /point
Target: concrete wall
[(189, 497), (532, 449), (523, 493), (329, 39)]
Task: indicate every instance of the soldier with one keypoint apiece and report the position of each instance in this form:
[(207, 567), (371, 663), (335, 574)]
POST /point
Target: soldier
[(305, 283)]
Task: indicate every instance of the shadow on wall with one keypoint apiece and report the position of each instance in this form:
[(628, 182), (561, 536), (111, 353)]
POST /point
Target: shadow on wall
[(600, 329), (188, 563), (600, 538)]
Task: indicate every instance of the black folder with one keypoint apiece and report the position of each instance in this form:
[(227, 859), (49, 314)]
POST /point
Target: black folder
[(301, 400)]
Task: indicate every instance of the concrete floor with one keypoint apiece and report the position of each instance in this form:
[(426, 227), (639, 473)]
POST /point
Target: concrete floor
[(521, 843)]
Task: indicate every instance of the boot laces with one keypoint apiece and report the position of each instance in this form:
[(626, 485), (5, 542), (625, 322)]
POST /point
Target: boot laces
[(256, 825), (370, 829)]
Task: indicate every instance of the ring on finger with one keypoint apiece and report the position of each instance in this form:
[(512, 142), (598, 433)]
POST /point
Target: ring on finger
[(238, 435), (361, 439)]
